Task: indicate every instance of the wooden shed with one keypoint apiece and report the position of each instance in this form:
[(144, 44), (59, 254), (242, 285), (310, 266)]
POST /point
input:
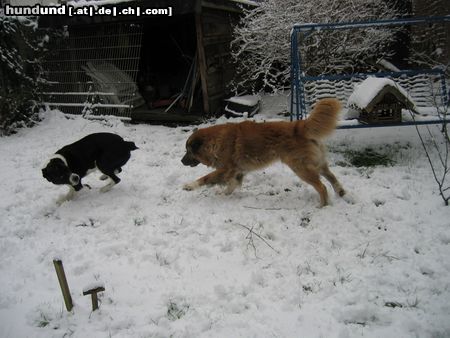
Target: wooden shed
[(379, 101), (159, 68)]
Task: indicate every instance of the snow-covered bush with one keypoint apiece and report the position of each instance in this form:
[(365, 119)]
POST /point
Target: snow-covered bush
[(261, 45), (21, 51), (428, 49)]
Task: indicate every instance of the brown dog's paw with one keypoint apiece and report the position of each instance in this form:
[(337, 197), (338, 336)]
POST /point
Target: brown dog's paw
[(191, 186), (341, 192), (349, 198)]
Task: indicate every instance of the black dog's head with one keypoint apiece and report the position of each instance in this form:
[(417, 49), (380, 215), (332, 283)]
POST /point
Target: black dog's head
[(193, 146), (57, 172)]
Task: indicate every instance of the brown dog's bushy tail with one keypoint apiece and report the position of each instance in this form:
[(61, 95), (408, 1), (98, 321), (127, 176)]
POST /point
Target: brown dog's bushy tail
[(322, 121)]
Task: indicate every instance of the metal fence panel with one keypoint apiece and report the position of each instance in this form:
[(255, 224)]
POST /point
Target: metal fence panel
[(94, 70)]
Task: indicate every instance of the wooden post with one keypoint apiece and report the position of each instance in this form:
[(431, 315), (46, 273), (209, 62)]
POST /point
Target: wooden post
[(202, 64), (93, 292), (63, 284)]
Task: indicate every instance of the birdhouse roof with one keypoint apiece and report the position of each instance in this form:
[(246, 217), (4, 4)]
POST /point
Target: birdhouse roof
[(371, 91)]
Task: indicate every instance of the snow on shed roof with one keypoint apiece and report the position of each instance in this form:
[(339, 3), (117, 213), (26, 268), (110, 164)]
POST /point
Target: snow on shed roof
[(369, 92), (78, 3)]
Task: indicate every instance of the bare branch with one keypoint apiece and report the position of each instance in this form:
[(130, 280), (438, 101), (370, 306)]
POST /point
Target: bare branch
[(251, 233), (261, 45), (443, 161)]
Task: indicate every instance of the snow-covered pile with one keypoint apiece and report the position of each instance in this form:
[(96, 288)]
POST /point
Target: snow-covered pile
[(243, 106), (263, 262), (245, 100)]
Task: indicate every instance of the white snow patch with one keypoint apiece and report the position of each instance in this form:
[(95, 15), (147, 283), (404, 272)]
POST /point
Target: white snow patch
[(184, 264)]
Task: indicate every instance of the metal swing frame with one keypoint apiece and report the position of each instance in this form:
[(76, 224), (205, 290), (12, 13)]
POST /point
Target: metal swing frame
[(298, 78)]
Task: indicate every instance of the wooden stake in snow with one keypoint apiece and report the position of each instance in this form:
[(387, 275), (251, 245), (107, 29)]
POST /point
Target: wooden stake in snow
[(63, 284), (93, 290)]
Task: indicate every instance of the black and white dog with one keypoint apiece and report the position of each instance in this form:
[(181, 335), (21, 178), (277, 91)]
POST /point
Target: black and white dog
[(106, 152)]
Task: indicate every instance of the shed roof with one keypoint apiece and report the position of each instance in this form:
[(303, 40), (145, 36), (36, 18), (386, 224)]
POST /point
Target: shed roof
[(94, 2), (112, 2), (371, 91), (178, 8)]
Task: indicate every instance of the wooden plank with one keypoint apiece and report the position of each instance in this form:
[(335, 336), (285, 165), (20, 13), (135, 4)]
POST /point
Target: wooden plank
[(217, 40), (202, 61), (226, 6), (63, 284), (94, 298)]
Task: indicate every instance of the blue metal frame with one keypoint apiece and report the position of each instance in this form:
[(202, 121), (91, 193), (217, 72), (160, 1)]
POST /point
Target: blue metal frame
[(298, 100)]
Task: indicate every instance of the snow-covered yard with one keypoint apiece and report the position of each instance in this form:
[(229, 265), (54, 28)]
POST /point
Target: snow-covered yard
[(185, 264)]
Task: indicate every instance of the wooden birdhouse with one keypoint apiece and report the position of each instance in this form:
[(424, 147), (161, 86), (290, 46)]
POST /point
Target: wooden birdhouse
[(379, 101)]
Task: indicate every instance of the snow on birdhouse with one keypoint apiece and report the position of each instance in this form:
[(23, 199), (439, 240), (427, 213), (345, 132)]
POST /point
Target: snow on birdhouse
[(379, 100)]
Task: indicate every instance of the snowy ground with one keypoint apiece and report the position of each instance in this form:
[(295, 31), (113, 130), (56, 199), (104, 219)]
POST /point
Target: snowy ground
[(184, 264)]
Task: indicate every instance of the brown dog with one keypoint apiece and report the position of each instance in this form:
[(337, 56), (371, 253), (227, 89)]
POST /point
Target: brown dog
[(234, 149)]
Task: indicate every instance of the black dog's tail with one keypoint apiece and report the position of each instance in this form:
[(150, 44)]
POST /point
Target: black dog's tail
[(131, 145)]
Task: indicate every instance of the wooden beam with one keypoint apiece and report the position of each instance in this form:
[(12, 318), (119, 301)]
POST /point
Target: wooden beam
[(202, 65), (63, 284), (94, 298), (221, 8)]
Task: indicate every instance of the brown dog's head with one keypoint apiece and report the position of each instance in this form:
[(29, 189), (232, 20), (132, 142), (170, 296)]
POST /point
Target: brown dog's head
[(193, 145)]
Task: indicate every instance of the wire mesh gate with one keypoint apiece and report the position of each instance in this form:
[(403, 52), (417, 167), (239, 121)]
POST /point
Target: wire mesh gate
[(424, 86), (94, 70)]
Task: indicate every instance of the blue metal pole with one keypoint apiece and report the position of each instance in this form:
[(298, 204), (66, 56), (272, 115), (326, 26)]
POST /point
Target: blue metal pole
[(293, 76), (296, 76)]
